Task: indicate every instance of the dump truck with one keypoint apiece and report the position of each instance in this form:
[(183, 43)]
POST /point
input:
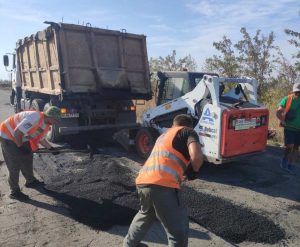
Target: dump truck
[(93, 75), (227, 117)]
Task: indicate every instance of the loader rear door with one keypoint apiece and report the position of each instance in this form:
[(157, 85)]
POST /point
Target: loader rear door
[(244, 131)]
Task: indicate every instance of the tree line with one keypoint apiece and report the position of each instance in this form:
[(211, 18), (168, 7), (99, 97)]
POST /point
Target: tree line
[(257, 57), (254, 56)]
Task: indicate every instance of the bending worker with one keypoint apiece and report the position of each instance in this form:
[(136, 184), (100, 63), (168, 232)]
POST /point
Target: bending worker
[(289, 115), (20, 135), (175, 153)]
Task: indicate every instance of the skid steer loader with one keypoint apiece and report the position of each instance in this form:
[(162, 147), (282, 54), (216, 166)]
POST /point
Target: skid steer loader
[(227, 117)]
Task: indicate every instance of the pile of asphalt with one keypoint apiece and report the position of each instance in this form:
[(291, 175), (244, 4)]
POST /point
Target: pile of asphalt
[(233, 223), (101, 193), (98, 195)]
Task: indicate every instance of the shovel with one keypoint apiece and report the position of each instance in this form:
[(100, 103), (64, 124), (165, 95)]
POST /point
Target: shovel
[(88, 150)]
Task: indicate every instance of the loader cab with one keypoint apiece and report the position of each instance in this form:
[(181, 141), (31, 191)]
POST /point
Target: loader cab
[(174, 84)]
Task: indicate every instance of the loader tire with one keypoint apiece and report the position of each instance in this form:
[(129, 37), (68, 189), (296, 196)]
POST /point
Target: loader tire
[(144, 141)]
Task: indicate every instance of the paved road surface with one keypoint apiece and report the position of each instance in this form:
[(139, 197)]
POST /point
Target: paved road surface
[(255, 183)]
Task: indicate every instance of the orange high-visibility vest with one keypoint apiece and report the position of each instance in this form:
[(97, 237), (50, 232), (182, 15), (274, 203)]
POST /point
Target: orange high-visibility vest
[(165, 165), (288, 103), (287, 107), (34, 135)]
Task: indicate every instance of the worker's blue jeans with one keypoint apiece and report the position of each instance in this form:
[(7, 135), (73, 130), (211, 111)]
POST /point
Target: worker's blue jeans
[(164, 204)]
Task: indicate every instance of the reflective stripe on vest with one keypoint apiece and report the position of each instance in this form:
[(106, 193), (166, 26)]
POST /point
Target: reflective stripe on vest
[(165, 165), (34, 135), (7, 127), (171, 156), (38, 132), (161, 167)]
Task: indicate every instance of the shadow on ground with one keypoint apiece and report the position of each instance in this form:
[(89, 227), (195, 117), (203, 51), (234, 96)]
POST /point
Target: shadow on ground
[(99, 216)]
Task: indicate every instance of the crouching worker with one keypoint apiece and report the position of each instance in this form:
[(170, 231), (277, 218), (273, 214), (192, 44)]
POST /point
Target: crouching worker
[(175, 152), (20, 135)]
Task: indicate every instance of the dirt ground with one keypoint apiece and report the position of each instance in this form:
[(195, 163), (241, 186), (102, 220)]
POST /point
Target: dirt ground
[(55, 217), (90, 202)]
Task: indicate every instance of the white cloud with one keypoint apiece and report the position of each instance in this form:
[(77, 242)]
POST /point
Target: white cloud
[(162, 27)]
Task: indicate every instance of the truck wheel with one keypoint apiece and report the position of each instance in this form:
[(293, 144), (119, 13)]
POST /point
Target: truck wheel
[(37, 104), (144, 141)]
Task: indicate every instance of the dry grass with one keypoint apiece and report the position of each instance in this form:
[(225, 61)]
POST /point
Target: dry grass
[(274, 124), (271, 98), (140, 109)]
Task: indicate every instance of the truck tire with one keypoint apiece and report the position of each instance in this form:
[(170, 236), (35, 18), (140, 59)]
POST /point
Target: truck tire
[(37, 104), (144, 141)]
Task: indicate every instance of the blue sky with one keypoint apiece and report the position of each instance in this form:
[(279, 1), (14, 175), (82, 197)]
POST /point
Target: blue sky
[(188, 26)]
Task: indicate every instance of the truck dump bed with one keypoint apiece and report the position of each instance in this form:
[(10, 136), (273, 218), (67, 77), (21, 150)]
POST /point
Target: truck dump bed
[(67, 58)]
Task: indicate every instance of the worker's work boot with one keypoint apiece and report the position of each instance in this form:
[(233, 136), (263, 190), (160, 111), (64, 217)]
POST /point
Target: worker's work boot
[(35, 184), (18, 195), (284, 163)]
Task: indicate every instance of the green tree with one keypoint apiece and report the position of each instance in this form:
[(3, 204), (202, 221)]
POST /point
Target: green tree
[(255, 57), (295, 41), (287, 72), (225, 64), (171, 63), (248, 57)]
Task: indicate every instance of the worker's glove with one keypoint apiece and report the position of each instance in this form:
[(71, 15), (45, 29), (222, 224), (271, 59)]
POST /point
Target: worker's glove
[(54, 151), (24, 149), (190, 174)]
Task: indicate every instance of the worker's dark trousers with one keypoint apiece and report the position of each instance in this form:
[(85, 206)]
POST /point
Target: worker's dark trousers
[(164, 204), (17, 161)]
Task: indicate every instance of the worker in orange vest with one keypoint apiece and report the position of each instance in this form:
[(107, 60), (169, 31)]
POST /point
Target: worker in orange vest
[(176, 154), (20, 136), (289, 115)]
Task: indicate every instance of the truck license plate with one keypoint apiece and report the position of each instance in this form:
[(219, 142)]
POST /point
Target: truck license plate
[(70, 115)]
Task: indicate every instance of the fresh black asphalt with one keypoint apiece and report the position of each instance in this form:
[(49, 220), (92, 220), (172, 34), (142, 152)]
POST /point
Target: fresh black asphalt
[(101, 193)]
